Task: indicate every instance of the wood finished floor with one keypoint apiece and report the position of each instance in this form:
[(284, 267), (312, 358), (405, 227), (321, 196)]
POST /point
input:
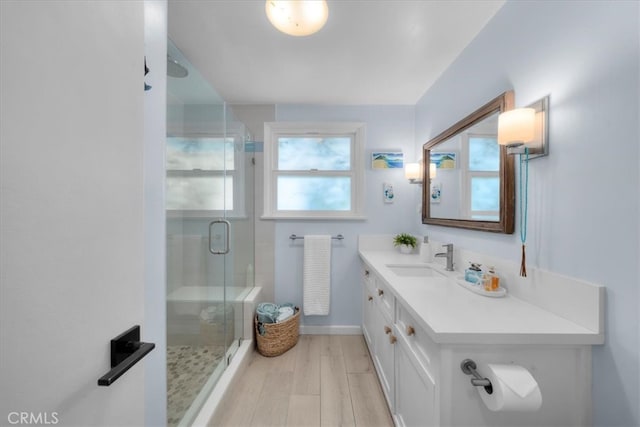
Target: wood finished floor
[(325, 380)]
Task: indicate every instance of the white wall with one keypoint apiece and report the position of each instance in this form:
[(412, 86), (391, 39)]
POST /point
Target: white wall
[(155, 131), (72, 232), (254, 117), (583, 198), (386, 128)]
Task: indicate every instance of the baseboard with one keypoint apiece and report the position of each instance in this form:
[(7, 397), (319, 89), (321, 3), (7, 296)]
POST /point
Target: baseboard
[(330, 330)]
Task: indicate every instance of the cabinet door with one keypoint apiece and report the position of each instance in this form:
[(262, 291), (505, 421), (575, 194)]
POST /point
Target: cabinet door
[(415, 391), (368, 310), (384, 354), (368, 305)]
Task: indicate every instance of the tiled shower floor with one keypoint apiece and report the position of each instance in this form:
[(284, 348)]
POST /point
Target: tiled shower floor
[(188, 368)]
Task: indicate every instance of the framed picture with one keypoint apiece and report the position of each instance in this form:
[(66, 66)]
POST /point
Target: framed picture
[(436, 193), (444, 159), (387, 160)]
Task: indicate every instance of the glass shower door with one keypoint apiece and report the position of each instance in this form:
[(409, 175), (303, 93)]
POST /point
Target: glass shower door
[(209, 239)]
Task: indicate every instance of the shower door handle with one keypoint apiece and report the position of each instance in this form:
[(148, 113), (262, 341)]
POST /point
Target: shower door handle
[(227, 225)]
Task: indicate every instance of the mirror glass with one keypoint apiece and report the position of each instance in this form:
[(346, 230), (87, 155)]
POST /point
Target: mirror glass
[(473, 183)]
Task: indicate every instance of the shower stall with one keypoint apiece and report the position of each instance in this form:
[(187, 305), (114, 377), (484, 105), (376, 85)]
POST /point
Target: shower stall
[(210, 236)]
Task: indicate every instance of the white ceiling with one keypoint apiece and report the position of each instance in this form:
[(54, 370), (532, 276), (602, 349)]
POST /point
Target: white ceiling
[(369, 52)]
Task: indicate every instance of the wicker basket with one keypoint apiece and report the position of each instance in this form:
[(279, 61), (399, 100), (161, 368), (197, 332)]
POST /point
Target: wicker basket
[(278, 337)]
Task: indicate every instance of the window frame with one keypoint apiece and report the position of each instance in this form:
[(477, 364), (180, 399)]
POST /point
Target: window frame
[(468, 175), (275, 130)]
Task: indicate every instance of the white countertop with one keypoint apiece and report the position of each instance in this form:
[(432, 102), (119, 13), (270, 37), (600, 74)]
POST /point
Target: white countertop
[(452, 314)]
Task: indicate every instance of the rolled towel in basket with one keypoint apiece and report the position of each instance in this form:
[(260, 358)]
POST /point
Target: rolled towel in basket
[(267, 312), (284, 313)]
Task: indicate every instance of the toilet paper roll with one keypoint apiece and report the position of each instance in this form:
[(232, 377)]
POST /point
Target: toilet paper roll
[(514, 389)]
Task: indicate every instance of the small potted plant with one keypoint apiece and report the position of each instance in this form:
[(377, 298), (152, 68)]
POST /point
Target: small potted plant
[(406, 242)]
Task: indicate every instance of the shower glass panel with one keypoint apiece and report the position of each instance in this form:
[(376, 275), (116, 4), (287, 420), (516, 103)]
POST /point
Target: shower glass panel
[(210, 237)]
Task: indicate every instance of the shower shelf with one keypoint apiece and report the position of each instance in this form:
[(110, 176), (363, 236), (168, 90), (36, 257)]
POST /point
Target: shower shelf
[(126, 351)]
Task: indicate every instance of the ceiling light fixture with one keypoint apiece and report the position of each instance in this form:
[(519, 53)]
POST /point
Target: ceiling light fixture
[(297, 17)]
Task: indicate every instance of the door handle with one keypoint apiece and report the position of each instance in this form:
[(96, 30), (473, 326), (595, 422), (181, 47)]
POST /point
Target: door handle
[(126, 351), (227, 225)]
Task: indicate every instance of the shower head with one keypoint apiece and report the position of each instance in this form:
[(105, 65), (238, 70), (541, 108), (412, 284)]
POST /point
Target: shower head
[(175, 69)]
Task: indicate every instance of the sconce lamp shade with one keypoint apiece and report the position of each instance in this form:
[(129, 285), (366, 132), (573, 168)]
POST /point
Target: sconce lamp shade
[(412, 171), (516, 127), (432, 170), (297, 17)]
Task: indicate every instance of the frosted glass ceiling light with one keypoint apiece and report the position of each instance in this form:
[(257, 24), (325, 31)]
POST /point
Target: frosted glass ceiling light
[(297, 17)]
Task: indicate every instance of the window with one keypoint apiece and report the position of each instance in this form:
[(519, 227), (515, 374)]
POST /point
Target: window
[(482, 177), (314, 170), (203, 176)]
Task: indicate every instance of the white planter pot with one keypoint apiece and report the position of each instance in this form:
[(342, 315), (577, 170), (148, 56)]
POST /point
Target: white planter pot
[(405, 249)]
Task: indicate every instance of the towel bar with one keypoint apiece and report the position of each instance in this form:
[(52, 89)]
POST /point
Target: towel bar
[(338, 237)]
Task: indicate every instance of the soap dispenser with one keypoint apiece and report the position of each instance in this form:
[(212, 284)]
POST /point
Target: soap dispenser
[(425, 250), (473, 274), (490, 280)]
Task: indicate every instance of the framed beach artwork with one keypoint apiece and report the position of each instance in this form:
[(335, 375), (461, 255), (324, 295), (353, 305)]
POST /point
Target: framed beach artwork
[(436, 193), (444, 159), (387, 160)]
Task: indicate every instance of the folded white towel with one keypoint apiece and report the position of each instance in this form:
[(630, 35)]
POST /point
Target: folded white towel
[(317, 275)]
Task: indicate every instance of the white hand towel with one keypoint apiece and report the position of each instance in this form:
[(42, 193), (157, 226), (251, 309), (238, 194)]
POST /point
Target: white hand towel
[(317, 275)]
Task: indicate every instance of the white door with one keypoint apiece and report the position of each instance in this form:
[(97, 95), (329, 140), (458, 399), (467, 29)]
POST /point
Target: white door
[(72, 218)]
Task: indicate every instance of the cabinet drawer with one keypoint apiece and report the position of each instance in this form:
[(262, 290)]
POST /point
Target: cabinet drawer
[(385, 299), (425, 349)]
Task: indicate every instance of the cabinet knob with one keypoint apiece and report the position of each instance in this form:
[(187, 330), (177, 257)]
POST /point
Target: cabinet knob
[(380, 292), (387, 330), (366, 273), (392, 339), (370, 298), (410, 330)]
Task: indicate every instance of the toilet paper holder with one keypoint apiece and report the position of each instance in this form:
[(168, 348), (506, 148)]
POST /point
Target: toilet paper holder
[(468, 366)]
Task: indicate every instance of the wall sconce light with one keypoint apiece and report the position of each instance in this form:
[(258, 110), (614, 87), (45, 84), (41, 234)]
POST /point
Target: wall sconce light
[(524, 131), (297, 17), (413, 171), (526, 128), (432, 170)]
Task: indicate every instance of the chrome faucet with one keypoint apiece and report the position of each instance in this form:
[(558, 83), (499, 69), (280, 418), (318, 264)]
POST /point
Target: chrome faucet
[(448, 254)]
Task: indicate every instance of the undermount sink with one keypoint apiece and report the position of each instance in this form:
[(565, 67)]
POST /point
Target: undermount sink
[(410, 270)]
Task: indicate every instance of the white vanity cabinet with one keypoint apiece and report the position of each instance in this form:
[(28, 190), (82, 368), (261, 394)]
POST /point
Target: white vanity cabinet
[(400, 357), (419, 332)]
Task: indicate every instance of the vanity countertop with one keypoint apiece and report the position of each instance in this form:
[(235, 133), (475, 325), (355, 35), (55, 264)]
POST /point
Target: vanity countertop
[(452, 314)]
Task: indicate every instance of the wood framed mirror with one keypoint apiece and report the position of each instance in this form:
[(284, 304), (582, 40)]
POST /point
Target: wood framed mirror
[(473, 185)]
